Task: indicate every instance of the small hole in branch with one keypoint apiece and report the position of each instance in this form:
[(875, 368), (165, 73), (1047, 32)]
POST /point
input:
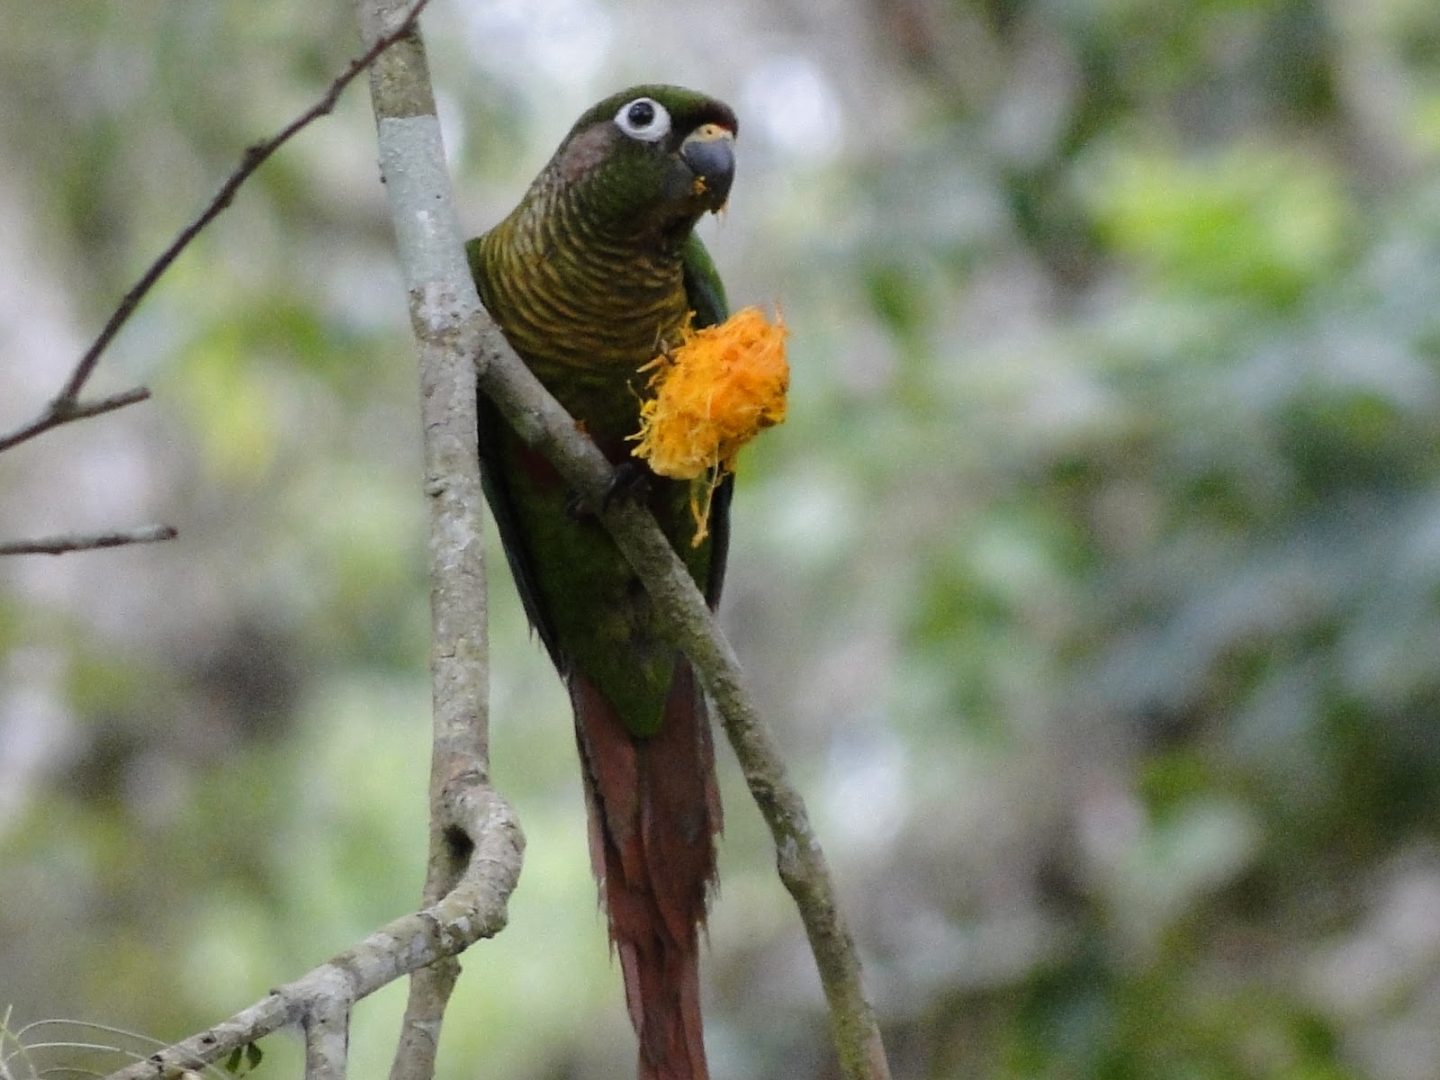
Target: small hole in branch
[(460, 845)]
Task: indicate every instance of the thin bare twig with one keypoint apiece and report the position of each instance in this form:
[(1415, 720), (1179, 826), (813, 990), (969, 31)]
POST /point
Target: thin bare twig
[(252, 159), (67, 542), (327, 1035), (67, 406), (65, 409)]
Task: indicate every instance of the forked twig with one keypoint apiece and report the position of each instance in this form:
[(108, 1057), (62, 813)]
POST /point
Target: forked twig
[(66, 405)]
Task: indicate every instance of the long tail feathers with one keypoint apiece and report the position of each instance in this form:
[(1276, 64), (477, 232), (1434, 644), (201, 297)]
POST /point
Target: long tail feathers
[(654, 812)]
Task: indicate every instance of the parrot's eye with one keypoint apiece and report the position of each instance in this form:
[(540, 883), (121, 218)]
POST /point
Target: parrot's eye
[(644, 118)]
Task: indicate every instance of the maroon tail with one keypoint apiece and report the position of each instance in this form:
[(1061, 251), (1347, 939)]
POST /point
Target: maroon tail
[(654, 812)]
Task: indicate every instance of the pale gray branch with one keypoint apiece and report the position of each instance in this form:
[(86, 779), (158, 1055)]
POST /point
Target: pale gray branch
[(327, 1034), (446, 316), (67, 542)]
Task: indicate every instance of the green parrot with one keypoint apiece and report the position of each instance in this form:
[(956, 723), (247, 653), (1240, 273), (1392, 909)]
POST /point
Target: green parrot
[(590, 277)]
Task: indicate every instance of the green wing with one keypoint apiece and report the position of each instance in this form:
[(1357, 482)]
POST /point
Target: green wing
[(703, 287), (706, 293), (493, 477)]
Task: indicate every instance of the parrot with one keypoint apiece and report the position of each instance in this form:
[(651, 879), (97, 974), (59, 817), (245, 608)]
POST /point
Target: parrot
[(590, 277)]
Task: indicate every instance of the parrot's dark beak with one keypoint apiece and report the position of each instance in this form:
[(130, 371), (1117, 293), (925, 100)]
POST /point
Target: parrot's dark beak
[(709, 150)]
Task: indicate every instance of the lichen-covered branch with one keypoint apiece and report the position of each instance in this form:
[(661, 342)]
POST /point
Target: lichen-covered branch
[(327, 1035), (446, 316)]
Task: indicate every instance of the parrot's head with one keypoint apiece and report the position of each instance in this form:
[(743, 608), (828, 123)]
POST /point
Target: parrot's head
[(651, 159)]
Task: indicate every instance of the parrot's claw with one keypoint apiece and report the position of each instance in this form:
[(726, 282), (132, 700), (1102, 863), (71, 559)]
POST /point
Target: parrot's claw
[(631, 480), (575, 508)]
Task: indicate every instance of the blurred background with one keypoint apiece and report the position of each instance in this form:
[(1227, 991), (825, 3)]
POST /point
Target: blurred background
[(1092, 587)]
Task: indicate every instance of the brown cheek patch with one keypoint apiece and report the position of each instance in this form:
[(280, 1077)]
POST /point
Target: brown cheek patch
[(586, 151)]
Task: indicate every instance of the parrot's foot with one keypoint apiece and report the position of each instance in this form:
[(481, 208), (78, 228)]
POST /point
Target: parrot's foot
[(631, 480), (577, 509)]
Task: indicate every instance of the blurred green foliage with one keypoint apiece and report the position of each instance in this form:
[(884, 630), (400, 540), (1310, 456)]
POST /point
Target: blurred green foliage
[(1093, 583)]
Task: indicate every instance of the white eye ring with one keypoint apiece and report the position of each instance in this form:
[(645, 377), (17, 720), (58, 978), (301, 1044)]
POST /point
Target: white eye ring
[(644, 119)]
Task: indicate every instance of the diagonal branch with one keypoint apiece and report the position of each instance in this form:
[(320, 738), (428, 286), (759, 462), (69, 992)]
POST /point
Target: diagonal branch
[(471, 825), (543, 423)]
